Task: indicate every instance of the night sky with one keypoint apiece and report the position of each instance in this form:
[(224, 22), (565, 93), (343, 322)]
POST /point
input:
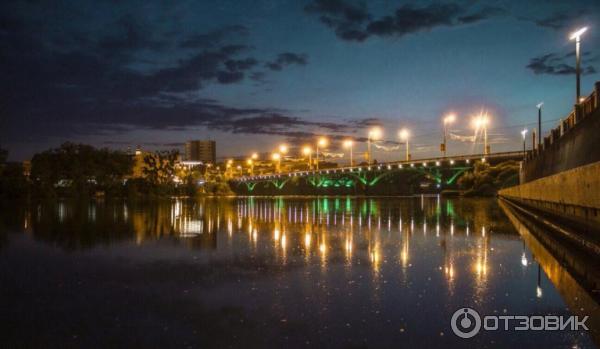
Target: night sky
[(252, 74)]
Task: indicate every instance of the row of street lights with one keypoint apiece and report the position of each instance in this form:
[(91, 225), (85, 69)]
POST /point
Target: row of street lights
[(374, 134), (479, 123)]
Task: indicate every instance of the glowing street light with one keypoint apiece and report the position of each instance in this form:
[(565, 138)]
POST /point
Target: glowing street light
[(277, 157), (577, 37), (524, 133), (350, 144), (229, 166), (404, 135), (254, 156), (374, 134), (539, 107), (283, 149), (307, 151), (481, 122), (450, 118), (321, 143), (250, 163)]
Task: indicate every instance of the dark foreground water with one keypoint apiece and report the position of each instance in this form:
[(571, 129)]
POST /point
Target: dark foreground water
[(273, 272)]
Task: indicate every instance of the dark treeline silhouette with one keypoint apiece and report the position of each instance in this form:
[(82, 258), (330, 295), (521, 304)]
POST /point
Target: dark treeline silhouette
[(79, 170)]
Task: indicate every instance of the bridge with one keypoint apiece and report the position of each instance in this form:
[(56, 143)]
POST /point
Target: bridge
[(443, 171)]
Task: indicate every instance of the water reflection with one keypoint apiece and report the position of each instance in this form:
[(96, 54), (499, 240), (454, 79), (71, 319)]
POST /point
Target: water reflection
[(325, 227), (363, 257)]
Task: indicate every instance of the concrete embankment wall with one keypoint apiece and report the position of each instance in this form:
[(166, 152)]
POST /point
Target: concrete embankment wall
[(573, 195)]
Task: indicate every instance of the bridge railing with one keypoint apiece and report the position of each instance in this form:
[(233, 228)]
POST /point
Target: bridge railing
[(585, 108), (438, 161)]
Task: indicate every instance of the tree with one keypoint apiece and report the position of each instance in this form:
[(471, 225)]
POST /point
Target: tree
[(81, 168), (486, 180), (159, 168)]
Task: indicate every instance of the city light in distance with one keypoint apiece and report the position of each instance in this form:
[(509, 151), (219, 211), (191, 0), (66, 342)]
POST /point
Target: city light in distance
[(322, 142), (283, 149)]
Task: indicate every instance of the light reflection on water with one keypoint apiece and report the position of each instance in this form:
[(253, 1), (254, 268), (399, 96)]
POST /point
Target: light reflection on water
[(396, 267)]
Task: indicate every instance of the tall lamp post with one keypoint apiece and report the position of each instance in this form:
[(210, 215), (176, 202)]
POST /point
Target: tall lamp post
[(250, 163), (404, 134), (577, 37), (320, 144), (277, 157), (447, 120), (307, 151), (524, 133), (374, 134), (539, 107), (481, 122), (349, 144)]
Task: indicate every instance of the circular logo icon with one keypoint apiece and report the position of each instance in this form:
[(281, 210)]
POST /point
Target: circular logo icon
[(465, 322)]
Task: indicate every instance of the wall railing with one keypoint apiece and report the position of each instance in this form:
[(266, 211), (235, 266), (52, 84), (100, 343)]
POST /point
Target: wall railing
[(582, 110)]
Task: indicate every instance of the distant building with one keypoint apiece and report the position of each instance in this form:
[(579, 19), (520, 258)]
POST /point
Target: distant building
[(203, 151)]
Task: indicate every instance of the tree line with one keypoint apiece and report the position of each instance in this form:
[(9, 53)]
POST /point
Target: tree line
[(80, 170)]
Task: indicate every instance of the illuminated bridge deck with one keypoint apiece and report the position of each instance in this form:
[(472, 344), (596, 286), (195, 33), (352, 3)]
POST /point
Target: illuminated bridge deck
[(457, 163)]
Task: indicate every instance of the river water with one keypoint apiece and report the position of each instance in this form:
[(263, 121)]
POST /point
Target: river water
[(273, 272)]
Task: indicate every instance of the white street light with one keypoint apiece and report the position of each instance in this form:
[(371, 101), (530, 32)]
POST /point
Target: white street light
[(320, 144), (349, 144), (277, 157), (524, 133), (373, 135), (577, 37), (481, 122), (307, 151), (450, 118), (404, 135)]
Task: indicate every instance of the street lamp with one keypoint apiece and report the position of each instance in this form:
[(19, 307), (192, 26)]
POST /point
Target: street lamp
[(539, 106), (283, 149), (481, 122), (254, 156), (450, 118), (349, 144), (373, 135), (404, 134), (320, 144), (277, 157), (307, 151), (229, 165), (577, 37), (524, 133), (250, 163)]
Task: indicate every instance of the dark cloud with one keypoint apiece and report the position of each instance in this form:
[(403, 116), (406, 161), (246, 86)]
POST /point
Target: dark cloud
[(345, 19), (240, 64), (130, 35), (555, 64), (60, 82), (559, 20), (353, 22), (285, 59), (214, 38), (367, 122)]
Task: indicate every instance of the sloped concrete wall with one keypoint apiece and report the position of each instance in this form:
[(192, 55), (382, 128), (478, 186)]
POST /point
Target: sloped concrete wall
[(573, 194)]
